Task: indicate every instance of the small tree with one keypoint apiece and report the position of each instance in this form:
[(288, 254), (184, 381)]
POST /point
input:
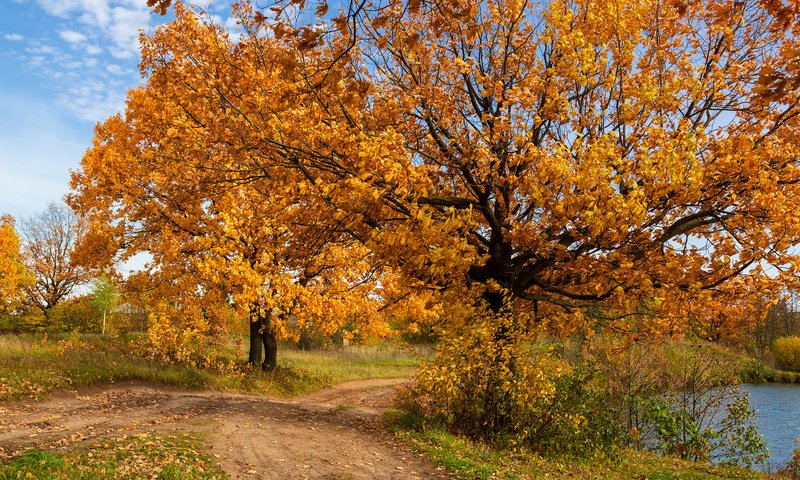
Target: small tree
[(105, 297)]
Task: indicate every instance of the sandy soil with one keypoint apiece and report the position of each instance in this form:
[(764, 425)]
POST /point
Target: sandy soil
[(331, 434)]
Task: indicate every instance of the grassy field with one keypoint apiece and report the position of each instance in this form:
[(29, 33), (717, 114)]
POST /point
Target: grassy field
[(31, 366)]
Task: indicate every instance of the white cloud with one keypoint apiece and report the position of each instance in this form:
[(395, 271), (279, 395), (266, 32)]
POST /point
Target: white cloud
[(93, 50), (72, 36), (13, 37), (117, 22), (38, 48)]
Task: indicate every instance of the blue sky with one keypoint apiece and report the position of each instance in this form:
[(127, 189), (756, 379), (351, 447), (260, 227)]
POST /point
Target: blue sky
[(66, 64)]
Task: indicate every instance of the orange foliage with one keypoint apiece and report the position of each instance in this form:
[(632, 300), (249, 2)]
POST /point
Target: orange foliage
[(12, 271), (580, 160)]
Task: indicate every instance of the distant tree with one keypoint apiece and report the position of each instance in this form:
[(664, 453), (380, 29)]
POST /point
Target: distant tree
[(781, 320), (105, 297), (48, 241), (12, 270)]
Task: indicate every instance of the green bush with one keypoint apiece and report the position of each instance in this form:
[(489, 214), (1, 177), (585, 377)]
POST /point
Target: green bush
[(787, 353), (76, 314), (684, 433)]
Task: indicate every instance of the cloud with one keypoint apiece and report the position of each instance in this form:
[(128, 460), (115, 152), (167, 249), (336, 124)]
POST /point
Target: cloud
[(86, 87), (72, 36), (116, 69), (13, 37), (116, 22)]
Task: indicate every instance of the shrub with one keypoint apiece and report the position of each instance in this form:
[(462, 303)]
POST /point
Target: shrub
[(787, 353), (76, 314), (175, 336), (491, 381), (33, 320), (703, 415), (679, 398), (632, 374), (792, 469)]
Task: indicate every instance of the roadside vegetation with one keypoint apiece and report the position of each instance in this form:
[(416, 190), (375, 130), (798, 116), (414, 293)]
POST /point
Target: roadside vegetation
[(164, 457), (34, 364), (596, 445), (470, 460)]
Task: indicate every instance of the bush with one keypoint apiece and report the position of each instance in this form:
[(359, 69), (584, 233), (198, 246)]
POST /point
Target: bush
[(491, 381), (632, 374), (792, 469), (76, 314), (679, 398), (787, 353), (686, 428)]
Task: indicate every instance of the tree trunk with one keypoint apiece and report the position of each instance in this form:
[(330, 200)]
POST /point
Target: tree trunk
[(256, 338), (271, 351), (263, 344)]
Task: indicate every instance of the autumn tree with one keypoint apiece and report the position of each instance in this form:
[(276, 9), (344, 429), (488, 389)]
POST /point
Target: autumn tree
[(13, 276), (48, 241), (559, 154), (282, 262), (542, 165)]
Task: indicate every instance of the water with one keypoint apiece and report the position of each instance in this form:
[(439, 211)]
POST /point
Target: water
[(778, 414)]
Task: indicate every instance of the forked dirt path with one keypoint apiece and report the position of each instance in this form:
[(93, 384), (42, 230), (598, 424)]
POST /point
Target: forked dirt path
[(334, 434)]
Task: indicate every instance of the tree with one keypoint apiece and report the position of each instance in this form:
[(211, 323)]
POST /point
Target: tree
[(13, 276), (563, 155), (545, 166), (281, 263), (48, 241), (104, 297)]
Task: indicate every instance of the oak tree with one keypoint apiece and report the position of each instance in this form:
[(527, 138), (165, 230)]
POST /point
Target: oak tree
[(560, 154), (541, 166)]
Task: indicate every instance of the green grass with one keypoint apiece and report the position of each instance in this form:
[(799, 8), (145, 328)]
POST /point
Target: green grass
[(129, 457), (31, 366), (385, 360), (472, 461)]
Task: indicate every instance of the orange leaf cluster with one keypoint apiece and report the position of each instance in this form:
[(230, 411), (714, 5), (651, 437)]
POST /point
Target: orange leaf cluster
[(13, 276), (577, 159)]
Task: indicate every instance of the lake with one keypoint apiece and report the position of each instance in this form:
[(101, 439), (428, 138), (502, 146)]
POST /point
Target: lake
[(778, 407)]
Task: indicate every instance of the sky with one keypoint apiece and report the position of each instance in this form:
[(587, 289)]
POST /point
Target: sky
[(66, 65)]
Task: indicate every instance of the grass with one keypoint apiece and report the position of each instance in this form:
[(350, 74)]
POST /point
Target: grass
[(31, 366), (163, 457), (472, 461)]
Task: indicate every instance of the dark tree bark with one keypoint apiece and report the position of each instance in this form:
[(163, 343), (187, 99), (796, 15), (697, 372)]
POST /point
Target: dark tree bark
[(263, 344), (256, 339)]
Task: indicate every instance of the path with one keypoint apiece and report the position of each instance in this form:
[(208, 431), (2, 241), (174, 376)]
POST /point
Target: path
[(334, 434)]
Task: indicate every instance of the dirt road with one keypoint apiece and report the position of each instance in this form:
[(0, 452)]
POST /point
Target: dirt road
[(332, 434)]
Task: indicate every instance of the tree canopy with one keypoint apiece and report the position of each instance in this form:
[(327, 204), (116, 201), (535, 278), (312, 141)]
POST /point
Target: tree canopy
[(561, 158)]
